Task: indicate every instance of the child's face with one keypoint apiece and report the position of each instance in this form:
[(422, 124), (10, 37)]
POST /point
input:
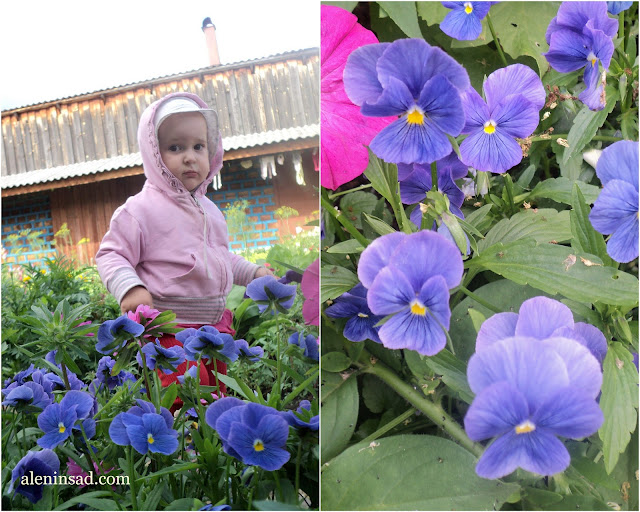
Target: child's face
[(183, 146)]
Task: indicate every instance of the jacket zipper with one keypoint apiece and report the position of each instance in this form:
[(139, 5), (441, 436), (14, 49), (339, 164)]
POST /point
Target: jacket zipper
[(204, 216)]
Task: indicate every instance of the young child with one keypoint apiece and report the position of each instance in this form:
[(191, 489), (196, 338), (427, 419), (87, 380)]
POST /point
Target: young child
[(167, 246)]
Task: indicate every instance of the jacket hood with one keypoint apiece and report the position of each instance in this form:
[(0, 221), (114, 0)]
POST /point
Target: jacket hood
[(155, 170)]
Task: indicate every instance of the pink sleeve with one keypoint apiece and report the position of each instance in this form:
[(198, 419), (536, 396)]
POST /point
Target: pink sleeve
[(243, 270)]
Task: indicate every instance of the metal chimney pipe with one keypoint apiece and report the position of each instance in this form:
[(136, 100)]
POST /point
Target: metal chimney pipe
[(209, 30)]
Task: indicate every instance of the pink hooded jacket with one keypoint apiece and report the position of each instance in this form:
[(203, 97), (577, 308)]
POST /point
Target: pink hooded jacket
[(171, 241)]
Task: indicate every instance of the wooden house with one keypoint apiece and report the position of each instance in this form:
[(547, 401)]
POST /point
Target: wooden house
[(72, 161)]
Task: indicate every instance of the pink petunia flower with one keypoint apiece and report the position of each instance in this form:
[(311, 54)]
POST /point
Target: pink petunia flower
[(310, 287), (344, 130), (145, 311)]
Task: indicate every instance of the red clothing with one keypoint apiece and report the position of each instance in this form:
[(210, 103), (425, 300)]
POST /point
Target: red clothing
[(207, 376)]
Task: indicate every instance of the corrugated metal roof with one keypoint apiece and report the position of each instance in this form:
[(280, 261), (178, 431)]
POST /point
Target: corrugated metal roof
[(134, 159)]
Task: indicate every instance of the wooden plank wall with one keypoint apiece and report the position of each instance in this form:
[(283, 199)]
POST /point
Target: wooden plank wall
[(250, 98)]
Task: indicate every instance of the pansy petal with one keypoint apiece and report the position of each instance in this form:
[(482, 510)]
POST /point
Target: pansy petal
[(344, 308), (495, 328), (52, 439), (390, 292), (568, 51), (376, 256), (616, 201), (396, 99), (577, 14), (570, 413), (601, 43), (593, 95), (495, 411), (582, 367), (460, 25), (414, 187), (539, 317), (516, 116), (475, 110), (619, 162), (594, 339), (454, 165), (623, 244), (501, 457), (219, 407), (360, 77), (514, 79), (425, 254), (441, 102), (360, 329), (435, 296), (420, 333), (490, 152)]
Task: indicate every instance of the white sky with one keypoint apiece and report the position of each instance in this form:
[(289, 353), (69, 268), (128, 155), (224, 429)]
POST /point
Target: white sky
[(50, 49)]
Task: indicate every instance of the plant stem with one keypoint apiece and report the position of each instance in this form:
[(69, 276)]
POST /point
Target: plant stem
[(433, 411), (146, 378), (65, 377), (132, 478), (276, 478), (621, 30), (388, 426), (298, 458), (479, 300), (346, 223), (434, 176), (338, 194), (495, 39)]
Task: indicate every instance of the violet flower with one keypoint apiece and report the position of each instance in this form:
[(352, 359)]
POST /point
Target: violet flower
[(309, 344), (464, 22), (121, 329), (270, 295), (362, 322), (208, 343), (44, 463), (514, 96), (58, 420), (618, 7), (157, 356), (302, 417)]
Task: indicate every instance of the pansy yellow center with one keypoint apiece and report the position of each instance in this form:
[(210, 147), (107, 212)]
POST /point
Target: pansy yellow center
[(150, 439), (415, 117), (362, 315), (417, 308), (468, 8), (525, 427), (489, 127), (61, 428), (592, 58), (258, 445)]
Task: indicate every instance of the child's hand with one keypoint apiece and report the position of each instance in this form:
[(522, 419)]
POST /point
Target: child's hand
[(261, 272), (134, 297)]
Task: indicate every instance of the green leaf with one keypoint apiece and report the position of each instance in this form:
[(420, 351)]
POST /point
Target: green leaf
[(355, 203), (153, 498), (453, 371), (349, 6), (543, 225), (181, 504), (619, 403), (174, 468), (93, 499), (404, 15), (379, 226), (347, 247), (559, 190), (383, 177), (274, 505), (432, 12), (577, 502), (169, 395), (585, 238), (571, 169), (334, 281), (556, 269), (339, 413), (335, 362), (409, 472), (586, 124)]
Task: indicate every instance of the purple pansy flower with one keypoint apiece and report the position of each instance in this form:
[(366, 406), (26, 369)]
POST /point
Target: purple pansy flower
[(291, 276), (18, 379), (615, 211), (525, 398), (44, 463), (618, 7), (122, 328), (29, 394), (362, 322), (302, 417), (413, 80), (541, 318), (409, 277), (309, 344), (580, 36), (251, 353), (191, 373), (208, 343), (59, 419), (464, 22), (165, 359), (514, 96), (253, 433), (269, 294), (103, 373)]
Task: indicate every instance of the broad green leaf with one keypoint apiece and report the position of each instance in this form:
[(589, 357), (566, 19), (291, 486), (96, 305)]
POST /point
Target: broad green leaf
[(527, 175), (274, 505), (169, 395), (94, 499), (619, 403), (349, 6), (586, 124), (543, 225), (409, 472), (377, 396), (559, 190), (383, 177), (339, 413), (432, 12), (453, 371), (585, 238), (379, 226), (334, 281), (404, 15), (521, 28), (577, 502), (571, 169), (347, 247), (355, 203), (540, 498), (181, 504), (335, 362), (556, 269)]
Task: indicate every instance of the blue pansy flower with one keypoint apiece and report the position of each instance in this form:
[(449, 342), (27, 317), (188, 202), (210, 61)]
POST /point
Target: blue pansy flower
[(215, 507), (58, 420), (44, 463), (253, 433), (191, 373), (144, 429), (302, 417), (270, 294), (409, 277), (464, 22), (208, 343), (580, 36), (291, 276), (415, 81), (362, 322), (103, 373), (615, 211), (18, 379), (514, 96), (541, 318), (526, 396), (251, 353), (122, 327), (29, 394), (309, 344), (618, 7), (165, 359)]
